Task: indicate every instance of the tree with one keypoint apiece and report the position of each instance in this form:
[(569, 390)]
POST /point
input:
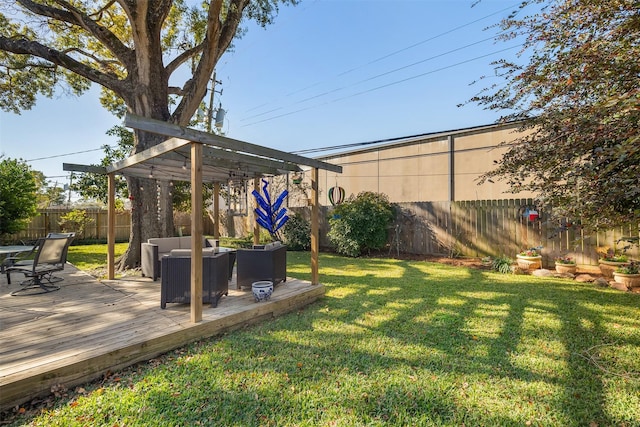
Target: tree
[(17, 196), (75, 221), (133, 49), (94, 186), (47, 195), (578, 97)]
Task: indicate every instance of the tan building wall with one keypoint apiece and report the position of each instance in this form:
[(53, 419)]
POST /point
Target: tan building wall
[(436, 167)]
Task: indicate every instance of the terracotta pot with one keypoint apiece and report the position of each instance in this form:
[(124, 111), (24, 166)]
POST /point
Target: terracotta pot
[(566, 268), (529, 262), (608, 267), (629, 280)]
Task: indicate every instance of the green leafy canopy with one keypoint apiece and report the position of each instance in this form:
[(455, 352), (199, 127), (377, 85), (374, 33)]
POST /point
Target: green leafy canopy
[(578, 97), (18, 200)]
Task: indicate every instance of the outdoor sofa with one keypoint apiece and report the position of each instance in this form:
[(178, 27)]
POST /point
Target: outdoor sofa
[(268, 262), (154, 249), (176, 276)]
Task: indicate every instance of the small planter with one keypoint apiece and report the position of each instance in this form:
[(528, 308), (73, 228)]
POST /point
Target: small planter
[(608, 267), (566, 268), (628, 280), (262, 290), (527, 263)]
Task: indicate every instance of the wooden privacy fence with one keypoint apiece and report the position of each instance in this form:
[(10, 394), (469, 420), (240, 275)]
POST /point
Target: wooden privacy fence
[(496, 227), (48, 221), (481, 228), (474, 228)]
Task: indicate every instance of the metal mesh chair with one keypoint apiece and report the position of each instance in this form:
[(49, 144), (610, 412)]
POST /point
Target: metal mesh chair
[(50, 257)]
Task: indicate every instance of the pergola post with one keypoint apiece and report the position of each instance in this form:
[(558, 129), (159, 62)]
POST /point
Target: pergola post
[(196, 232), (216, 210), (111, 229), (315, 228)]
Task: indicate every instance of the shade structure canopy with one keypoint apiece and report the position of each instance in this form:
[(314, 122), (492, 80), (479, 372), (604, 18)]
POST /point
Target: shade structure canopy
[(222, 158), (198, 157)]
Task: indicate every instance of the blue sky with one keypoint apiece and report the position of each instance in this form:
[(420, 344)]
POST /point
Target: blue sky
[(328, 72)]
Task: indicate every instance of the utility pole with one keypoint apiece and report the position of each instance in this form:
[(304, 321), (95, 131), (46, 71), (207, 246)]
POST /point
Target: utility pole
[(69, 196), (211, 101)]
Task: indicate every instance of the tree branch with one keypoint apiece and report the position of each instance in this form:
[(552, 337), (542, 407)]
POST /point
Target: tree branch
[(219, 34), (75, 17), (174, 90), (182, 58), (26, 47), (230, 25)]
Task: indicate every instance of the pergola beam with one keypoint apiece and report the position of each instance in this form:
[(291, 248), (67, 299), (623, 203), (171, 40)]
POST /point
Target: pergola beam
[(168, 129), (150, 153)]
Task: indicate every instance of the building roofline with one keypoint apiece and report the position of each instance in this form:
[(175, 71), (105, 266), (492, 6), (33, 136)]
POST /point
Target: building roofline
[(407, 140)]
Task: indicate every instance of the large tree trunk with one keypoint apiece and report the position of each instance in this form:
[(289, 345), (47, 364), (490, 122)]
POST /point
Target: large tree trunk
[(151, 209), (151, 204)]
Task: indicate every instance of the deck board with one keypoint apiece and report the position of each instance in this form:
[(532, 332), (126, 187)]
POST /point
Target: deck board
[(92, 326)]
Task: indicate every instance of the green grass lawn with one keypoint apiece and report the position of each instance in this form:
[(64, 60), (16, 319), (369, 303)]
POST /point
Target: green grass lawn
[(394, 343), (91, 257)]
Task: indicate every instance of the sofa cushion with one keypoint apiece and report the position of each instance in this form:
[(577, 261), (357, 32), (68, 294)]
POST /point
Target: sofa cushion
[(184, 242), (165, 244), (187, 252)]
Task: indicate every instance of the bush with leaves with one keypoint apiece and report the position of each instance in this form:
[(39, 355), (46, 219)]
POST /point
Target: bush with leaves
[(75, 221), (297, 233), (18, 200), (360, 223)]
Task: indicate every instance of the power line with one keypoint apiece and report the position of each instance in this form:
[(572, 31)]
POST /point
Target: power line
[(382, 58), (404, 67), (67, 154), (382, 86)]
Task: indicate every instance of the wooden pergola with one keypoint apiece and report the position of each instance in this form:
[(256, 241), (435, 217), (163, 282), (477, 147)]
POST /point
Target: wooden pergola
[(197, 156)]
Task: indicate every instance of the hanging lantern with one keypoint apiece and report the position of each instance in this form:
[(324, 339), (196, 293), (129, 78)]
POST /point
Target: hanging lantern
[(336, 195)]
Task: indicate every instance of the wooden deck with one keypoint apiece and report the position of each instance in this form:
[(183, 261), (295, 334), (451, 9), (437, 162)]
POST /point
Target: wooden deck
[(89, 326)]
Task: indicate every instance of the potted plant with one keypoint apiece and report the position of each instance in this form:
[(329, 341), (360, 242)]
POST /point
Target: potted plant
[(530, 259), (566, 264), (628, 275), (609, 261)]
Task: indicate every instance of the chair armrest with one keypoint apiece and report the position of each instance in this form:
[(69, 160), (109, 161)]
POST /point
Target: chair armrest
[(149, 260)]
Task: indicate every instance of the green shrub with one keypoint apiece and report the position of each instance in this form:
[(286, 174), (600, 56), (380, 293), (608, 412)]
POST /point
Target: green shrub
[(502, 264), (17, 196), (297, 233), (360, 223), (75, 221)]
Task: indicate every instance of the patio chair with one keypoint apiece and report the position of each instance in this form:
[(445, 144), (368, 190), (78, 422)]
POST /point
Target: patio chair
[(26, 259), (176, 277), (50, 257), (261, 263)]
